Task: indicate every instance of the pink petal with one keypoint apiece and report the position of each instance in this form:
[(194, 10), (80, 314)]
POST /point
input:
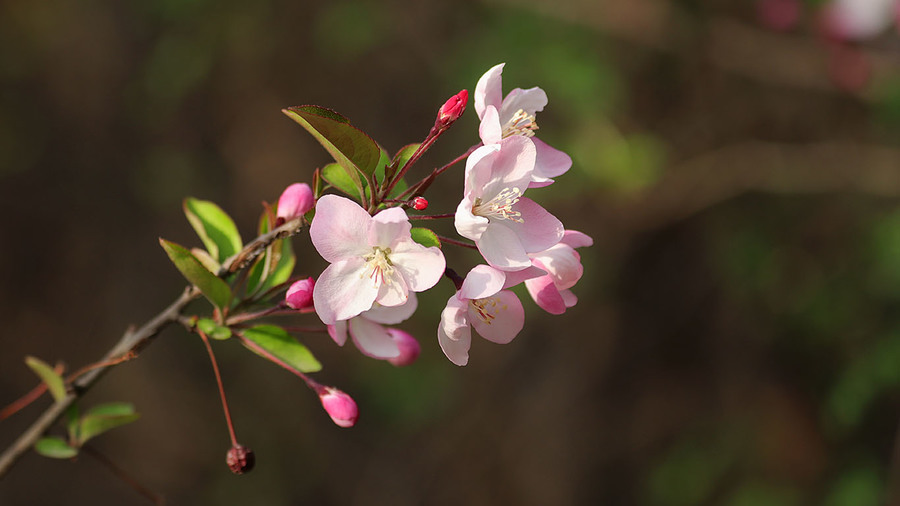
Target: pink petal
[(568, 297), (490, 130), (340, 228), (393, 290), (550, 162), (539, 230), (478, 170), (511, 167), (562, 263), (372, 339), (482, 281), (344, 290), (576, 239), (392, 315), (546, 295), (388, 227), (421, 267), (454, 334), (408, 346), (489, 90), (506, 317), (513, 278), (467, 224), (531, 101), (338, 332), (501, 248)]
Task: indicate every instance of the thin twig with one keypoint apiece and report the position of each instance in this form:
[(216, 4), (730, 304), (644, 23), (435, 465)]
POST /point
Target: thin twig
[(215, 366), (122, 475), (20, 403), (457, 243)]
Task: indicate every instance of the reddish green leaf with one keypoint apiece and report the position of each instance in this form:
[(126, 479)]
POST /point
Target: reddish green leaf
[(212, 287)]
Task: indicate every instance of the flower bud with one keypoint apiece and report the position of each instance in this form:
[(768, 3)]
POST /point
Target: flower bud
[(240, 459), (300, 294), (295, 201), (409, 347), (419, 203), (339, 406), (452, 110)]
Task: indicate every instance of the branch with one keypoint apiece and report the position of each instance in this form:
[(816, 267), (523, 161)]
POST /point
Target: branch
[(135, 340)]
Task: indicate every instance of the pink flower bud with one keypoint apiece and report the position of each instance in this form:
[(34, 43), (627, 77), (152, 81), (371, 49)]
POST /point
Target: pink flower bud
[(339, 406), (300, 294), (419, 203), (452, 110), (409, 347), (240, 459), (295, 201)]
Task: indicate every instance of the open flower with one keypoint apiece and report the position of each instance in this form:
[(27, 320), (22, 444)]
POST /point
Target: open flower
[(515, 115), (481, 302), (373, 259), (504, 225), (372, 338), (563, 267)]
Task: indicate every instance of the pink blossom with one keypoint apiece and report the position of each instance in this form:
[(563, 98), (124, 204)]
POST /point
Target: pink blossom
[(452, 109), (295, 201), (299, 295), (481, 302), (563, 267), (504, 225), (373, 259), (409, 348), (515, 115), (368, 332), (340, 407), (858, 19)]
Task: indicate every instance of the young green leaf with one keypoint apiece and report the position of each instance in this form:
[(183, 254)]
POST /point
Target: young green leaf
[(277, 342), (215, 228), (54, 381), (336, 176), (404, 155), (211, 286), (425, 237), (281, 271), (213, 329), (104, 417), (55, 448)]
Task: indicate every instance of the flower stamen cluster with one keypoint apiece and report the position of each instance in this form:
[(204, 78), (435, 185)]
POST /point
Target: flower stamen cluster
[(521, 123)]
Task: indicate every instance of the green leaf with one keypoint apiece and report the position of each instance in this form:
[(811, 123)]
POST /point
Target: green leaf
[(215, 228), (277, 342), (212, 287), (349, 146), (282, 270), (404, 155), (54, 381), (213, 329), (336, 176), (425, 237), (55, 448), (104, 417)]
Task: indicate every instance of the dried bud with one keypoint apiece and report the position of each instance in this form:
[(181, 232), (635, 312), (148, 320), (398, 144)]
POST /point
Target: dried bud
[(339, 406), (409, 347), (418, 203), (295, 201), (300, 294), (240, 459), (452, 110)]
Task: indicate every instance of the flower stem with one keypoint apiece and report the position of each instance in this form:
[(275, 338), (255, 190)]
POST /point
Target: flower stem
[(420, 187), (122, 475), (212, 359), (22, 402), (432, 216), (455, 242)]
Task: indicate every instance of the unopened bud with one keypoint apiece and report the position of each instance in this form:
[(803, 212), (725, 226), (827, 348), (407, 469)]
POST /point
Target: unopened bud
[(409, 347), (240, 459), (418, 203), (300, 294), (339, 406), (452, 110), (295, 201)]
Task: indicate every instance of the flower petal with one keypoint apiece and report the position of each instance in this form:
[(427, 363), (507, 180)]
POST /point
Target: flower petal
[(392, 315), (568, 297), (344, 290), (421, 267), (546, 295), (488, 90), (511, 167), (339, 229), (388, 227), (372, 339), (454, 334), (501, 247), (550, 162), (338, 332), (500, 317), (562, 263), (490, 130), (513, 278), (539, 230), (467, 224), (576, 239), (393, 291), (482, 281), (531, 101)]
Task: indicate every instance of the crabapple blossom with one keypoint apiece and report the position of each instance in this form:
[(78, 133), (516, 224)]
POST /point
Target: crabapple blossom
[(299, 295), (373, 259), (409, 348), (563, 267), (452, 109), (858, 19), (504, 225), (340, 407), (481, 302), (295, 201), (368, 333), (515, 116)]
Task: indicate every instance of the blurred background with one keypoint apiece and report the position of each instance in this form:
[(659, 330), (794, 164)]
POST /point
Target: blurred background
[(737, 338)]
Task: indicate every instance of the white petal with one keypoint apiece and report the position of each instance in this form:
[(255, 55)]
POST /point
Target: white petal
[(388, 226), (343, 290), (393, 291), (338, 332), (490, 130), (489, 89), (372, 339), (531, 101), (340, 228), (467, 224), (482, 281), (454, 335), (500, 318), (392, 315), (421, 267), (501, 248)]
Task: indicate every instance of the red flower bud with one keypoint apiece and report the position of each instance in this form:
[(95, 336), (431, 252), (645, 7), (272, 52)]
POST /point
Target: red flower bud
[(295, 201), (240, 459), (419, 203), (409, 347), (300, 294), (339, 406), (452, 110)]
